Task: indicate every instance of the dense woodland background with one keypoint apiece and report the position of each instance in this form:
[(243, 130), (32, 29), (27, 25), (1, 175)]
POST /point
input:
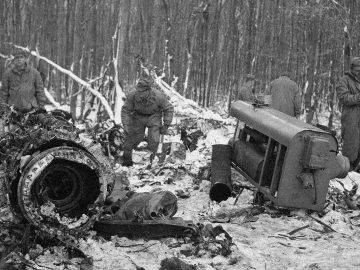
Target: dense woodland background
[(205, 48)]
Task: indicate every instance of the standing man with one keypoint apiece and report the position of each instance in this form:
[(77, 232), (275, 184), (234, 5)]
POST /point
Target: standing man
[(247, 91), (285, 96), (145, 107), (22, 86), (348, 91)]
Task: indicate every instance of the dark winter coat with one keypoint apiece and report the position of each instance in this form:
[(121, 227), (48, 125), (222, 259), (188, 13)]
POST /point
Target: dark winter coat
[(285, 96), (145, 108), (246, 93), (22, 89), (147, 102), (348, 91)]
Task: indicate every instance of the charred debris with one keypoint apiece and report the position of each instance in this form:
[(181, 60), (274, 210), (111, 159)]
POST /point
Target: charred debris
[(60, 184), (57, 183)]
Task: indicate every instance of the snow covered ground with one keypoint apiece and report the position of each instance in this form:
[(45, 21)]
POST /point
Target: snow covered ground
[(267, 239), (264, 241)]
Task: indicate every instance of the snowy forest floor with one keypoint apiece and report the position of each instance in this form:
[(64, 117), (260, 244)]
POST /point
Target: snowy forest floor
[(266, 239)]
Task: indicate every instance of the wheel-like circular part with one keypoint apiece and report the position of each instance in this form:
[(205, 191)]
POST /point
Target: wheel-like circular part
[(68, 177), (61, 184)]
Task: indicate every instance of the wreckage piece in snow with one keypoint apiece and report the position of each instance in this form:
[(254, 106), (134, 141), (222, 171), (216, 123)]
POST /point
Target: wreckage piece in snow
[(150, 229), (154, 205), (288, 161), (190, 140), (145, 215), (53, 178), (220, 177)]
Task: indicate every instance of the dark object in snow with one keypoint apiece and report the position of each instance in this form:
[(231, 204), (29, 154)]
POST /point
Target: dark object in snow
[(190, 140), (111, 137), (221, 186), (62, 115), (148, 214), (48, 170), (148, 205), (174, 263), (184, 194), (288, 161), (216, 240), (150, 229), (87, 264)]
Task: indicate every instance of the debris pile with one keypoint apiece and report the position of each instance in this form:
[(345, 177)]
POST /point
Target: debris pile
[(50, 175), (231, 234)]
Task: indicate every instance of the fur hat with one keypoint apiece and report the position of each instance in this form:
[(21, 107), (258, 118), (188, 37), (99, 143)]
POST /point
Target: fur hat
[(18, 53), (144, 83)]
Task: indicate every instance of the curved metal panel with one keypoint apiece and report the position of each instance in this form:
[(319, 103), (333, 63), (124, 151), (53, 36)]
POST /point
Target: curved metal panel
[(273, 123)]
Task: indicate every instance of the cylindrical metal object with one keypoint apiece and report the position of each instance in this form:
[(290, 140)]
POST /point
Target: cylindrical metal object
[(221, 186)]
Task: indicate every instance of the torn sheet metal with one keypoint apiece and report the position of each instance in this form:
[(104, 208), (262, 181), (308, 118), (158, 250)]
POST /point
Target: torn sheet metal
[(46, 165)]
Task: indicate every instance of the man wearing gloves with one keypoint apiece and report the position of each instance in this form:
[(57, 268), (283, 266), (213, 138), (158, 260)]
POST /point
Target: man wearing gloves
[(348, 91), (145, 107)]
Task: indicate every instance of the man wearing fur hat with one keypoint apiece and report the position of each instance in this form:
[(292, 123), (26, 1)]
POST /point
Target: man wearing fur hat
[(348, 91), (145, 107), (22, 86)]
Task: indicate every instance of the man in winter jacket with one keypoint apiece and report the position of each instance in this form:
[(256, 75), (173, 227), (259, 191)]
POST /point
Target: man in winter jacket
[(22, 86), (144, 107), (348, 91), (285, 96), (246, 91)]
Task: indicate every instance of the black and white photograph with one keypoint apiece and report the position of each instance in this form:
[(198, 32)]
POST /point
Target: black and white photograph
[(179, 134)]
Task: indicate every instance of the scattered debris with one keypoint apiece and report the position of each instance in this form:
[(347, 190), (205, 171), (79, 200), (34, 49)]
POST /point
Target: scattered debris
[(190, 140), (174, 263), (183, 194)]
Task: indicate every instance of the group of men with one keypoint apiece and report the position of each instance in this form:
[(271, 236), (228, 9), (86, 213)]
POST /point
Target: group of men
[(285, 97), (285, 94), (146, 107)]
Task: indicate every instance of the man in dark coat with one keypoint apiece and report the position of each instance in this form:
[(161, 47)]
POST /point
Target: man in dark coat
[(246, 91), (22, 86), (348, 91), (145, 107), (285, 96)]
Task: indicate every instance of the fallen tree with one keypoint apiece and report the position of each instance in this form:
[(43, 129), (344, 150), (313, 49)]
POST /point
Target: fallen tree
[(86, 85), (181, 103)]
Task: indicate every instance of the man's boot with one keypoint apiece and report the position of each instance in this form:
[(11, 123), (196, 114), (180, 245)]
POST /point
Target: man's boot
[(127, 159)]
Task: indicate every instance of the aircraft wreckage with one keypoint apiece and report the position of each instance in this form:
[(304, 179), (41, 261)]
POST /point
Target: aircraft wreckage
[(59, 183)]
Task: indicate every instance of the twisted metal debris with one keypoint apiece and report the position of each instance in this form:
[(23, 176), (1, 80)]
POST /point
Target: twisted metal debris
[(54, 179)]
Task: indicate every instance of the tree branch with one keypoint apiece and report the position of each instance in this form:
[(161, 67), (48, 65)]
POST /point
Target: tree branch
[(74, 77)]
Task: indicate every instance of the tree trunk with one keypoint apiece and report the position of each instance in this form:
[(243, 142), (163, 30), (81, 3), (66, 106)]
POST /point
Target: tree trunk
[(61, 23), (76, 56), (123, 22)]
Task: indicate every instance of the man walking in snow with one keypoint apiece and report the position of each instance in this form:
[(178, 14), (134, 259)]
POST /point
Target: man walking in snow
[(285, 96), (348, 91), (145, 107)]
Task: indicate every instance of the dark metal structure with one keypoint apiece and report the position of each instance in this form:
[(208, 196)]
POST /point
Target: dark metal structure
[(221, 186), (58, 182), (289, 161), (54, 178)]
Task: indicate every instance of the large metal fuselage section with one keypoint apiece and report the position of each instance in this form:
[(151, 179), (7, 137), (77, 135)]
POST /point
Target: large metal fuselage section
[(289, 161)]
